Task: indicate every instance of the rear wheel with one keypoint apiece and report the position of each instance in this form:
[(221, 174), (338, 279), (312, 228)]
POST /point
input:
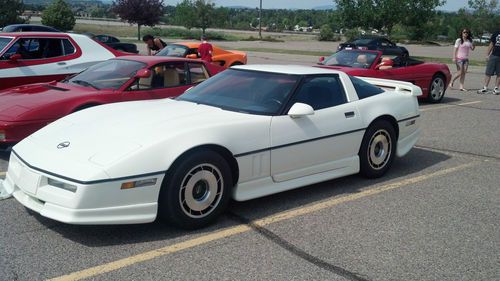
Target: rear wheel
[(377, 149), (196, 190), (436, 89)]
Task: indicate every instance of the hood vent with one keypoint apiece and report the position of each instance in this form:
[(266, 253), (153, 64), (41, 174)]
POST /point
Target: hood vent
[(56, 88)]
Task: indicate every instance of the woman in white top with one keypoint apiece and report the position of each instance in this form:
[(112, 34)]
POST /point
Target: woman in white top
[(461, 57)]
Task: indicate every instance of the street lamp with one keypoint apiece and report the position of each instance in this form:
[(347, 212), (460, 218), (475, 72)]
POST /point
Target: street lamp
[(260, 20)]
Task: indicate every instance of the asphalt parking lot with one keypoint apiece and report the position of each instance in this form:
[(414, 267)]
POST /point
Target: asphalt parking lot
[(434, 216)]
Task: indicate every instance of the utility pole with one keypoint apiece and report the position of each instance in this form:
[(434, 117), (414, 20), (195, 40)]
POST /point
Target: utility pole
[(260, 20)]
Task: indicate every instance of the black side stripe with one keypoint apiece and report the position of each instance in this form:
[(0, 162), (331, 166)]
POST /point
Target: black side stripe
[(87, 182), (311, 140)]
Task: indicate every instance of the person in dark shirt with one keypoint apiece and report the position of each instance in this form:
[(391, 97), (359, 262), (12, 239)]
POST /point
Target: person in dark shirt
[(205, 50), (154, 44), (493, 65)]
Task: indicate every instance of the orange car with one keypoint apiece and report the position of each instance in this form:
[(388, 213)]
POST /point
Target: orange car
[(222, 57)]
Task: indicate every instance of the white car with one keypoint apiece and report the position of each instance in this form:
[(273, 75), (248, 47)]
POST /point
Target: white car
[(245, 133), (34, 57)]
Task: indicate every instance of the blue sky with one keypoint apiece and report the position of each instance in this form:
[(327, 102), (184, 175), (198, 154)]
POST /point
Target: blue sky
[(451, 5)]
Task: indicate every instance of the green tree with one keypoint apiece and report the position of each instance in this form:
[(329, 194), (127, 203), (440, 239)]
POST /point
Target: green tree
[(195, 13), (10, 10), (326, 33), (140, 12), (485, 15), (59, 15)]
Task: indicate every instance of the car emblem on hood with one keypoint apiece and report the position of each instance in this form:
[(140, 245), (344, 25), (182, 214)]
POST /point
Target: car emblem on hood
[(63, 144)]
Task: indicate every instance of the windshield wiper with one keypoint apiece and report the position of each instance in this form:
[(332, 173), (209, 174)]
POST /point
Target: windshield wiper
[(339, 64), (85, 83)]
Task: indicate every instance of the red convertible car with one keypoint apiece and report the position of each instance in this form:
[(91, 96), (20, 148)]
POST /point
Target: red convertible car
[(33, 57), (431, 77), (25, 109)]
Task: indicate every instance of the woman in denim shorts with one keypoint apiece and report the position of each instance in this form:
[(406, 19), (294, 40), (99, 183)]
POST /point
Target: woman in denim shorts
[(461, 57)]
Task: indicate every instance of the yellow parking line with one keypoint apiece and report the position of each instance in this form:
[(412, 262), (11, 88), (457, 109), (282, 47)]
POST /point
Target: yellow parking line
[(450, 105), (2, 174), (111, 266)]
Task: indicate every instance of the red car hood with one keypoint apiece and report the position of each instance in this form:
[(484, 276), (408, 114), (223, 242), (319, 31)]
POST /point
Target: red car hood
[(16, 102)]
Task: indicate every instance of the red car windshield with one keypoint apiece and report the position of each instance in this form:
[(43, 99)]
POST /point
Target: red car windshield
[(110, 74), (173, 50), (351, 58)]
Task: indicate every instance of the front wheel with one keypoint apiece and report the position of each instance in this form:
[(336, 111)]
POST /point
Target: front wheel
[(196, 190), (377, 149), (436, 89)]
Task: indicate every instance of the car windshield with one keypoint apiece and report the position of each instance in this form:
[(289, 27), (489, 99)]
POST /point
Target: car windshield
[(246, 91), (351, 58), (4, 41), (362, 41), (173, 50), (110, 74)]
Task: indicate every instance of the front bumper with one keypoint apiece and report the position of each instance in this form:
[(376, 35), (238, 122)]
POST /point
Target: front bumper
[(101, 203)]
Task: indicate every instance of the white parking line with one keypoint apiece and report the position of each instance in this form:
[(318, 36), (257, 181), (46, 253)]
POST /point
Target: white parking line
[(450, 105), (238, 229)]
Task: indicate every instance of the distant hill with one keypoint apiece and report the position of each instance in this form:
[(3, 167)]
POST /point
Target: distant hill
[(325, 7)]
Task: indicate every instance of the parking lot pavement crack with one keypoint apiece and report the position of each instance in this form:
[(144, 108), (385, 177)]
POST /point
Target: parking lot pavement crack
[(273, 237), (492, 157)]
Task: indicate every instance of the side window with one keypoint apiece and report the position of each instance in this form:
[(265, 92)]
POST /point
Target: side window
[(28, 48), (163, 76), (321, 92), (365, 89), (69, 49), (198, 72)]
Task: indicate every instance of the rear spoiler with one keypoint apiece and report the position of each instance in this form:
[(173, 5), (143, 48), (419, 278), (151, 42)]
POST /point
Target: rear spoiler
[(398, 86)]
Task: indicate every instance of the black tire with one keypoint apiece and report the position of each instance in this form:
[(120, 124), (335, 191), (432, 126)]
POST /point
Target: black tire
[(437, 88), (377, 149), (196, 190)]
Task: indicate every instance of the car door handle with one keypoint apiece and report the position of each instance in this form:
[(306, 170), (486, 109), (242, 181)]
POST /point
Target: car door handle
[(61, 63), (349, 114)]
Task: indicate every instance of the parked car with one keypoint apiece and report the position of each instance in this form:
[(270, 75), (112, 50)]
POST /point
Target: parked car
[(247, 132), (115, 43), (225, 58), (375, 43), (32, 57), (431, 77), (28, 28), (25, 109)]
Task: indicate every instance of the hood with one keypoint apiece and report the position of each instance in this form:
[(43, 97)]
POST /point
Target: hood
[(16, 102), (102, 135)]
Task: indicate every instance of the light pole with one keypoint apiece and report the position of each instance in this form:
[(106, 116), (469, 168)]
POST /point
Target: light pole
[(260, 20)]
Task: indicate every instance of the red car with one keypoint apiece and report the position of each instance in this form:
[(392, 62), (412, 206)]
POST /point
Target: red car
[(33, 57), (25, 109), (431, 77)]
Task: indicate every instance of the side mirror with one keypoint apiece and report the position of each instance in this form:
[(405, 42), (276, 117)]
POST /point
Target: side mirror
[(321, 59), (15, 57), (143, 73), (192, 56), (300, 109)]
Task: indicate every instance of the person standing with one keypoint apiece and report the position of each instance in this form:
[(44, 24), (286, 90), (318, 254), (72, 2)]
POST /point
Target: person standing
[(461, 57), (493, 64), (154, 44), (205, 50)]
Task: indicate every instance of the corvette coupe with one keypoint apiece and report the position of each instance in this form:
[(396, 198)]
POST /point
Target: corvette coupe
[(431, 77), (25, 109), (32, 57), (220, 56), (247, 132)]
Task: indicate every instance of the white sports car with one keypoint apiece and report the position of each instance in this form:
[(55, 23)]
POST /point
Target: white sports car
[(247, 132)]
